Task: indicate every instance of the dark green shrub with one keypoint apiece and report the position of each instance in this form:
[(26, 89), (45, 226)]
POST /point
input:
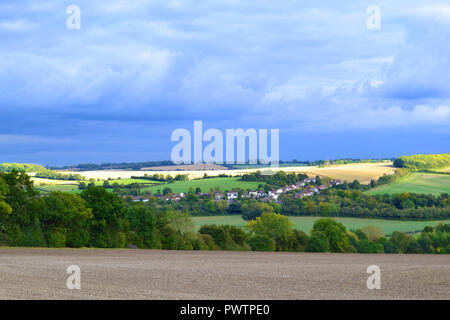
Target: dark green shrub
[(262, 243), (318, 242)]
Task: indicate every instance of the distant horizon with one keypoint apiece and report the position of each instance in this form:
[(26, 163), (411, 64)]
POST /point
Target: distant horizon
[(150, 161), (335, 79)]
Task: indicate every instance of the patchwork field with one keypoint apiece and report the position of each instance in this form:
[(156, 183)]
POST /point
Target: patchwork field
[(127, 181), (205, 185), (305, 223), (154, 274), (47, 185), (42, 181), (363, 172), (428, 183)]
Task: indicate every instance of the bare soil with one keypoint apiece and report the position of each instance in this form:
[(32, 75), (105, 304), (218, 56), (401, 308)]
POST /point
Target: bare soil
[(153, 274)]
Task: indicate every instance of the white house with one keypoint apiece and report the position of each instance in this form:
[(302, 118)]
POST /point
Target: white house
[(232, 195)]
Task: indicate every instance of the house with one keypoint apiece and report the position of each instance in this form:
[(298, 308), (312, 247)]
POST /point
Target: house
[(218, 196), (273, 196), (203, 195), (336, 182), (253, 193), (232, 195)]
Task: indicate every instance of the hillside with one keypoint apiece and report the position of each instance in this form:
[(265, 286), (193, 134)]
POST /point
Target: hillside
[(428, 183), (423, 161), (27, 167)]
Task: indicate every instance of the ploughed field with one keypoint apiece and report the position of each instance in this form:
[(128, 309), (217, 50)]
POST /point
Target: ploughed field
[(152, 274)]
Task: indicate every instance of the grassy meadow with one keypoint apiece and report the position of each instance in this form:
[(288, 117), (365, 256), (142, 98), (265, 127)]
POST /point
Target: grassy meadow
[(305, 223), (428, 183), (205, 185), (71, 188)]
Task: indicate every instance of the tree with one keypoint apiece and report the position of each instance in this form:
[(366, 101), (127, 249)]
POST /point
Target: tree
[(262, 243), (234, 208), (142, 220), (253, 209), (399, 163), (272, 225), (181, 222), (5, 208), (401, 240), (414, 247), (366, 246), (65, 220), (226, 237), (335, 232), (21, 207), (318, 181), (107, 228), (299, 241), (82, 186), (355, 185), (389, 247), (373, 233), (318, 242)]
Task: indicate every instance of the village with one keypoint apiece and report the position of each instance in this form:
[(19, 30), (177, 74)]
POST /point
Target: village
[(305, 188)]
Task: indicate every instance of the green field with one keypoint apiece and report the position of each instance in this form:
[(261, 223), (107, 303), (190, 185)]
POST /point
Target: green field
[(305, 223), (71, 188), (205, 185), (427, 183)]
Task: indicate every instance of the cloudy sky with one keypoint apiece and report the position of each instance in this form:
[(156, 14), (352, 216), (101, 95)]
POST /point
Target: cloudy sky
[(115, 89)]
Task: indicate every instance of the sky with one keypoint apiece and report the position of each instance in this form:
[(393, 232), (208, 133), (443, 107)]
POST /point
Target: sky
[(115, 89)]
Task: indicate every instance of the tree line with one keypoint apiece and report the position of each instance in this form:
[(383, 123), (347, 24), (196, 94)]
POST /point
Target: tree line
[(101, 219), (423, 161)]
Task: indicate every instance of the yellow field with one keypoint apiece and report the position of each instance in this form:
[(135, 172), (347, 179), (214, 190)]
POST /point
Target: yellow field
[(41, 181), (362, 172)]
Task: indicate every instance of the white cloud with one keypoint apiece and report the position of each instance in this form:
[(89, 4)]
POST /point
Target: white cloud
[(392, 117), (16, 26), (439, 12)]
